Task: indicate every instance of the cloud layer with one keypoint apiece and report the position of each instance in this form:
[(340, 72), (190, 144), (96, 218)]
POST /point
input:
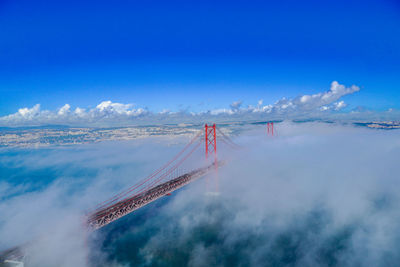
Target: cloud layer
[(321, 105), (314, 195)]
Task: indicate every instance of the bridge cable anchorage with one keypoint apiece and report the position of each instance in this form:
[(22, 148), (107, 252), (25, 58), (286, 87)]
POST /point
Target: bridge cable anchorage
[(140, 183), (121, 203)]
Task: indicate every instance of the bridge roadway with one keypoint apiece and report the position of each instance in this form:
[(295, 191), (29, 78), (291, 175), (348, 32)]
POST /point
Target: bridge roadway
[(109, 214)]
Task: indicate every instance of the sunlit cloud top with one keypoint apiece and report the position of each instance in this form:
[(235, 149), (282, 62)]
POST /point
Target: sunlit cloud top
[(321, 105)]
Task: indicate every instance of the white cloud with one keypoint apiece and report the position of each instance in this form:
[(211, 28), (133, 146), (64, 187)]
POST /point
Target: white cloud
[(28, 112), (110, 107), (222, 111), (317, 101), (304, 104), (104, 113), (64, 109), (109, 113), (339, 105), (324, 108), (79, 112), (236, 105)]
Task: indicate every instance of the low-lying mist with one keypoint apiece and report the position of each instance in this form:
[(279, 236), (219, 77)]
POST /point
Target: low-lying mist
[(313, 195)]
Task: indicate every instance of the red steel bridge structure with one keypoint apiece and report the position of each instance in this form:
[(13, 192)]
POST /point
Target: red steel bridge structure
[(164, 180), (161, 182)]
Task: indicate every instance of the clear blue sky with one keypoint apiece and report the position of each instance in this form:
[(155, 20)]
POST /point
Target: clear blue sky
[(196, 54)]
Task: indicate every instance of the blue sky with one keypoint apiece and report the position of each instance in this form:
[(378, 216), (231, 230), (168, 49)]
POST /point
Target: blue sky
[(196, 55)]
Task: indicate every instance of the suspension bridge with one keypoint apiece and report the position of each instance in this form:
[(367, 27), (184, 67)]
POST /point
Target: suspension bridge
[(180, 171), (162, 182)]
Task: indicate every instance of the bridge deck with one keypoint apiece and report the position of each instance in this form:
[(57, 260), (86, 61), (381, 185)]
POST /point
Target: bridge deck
[(107, 215)]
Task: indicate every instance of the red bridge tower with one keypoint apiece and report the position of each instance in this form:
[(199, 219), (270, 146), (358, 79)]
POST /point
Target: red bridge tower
[(211, 148), (211, 141)]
